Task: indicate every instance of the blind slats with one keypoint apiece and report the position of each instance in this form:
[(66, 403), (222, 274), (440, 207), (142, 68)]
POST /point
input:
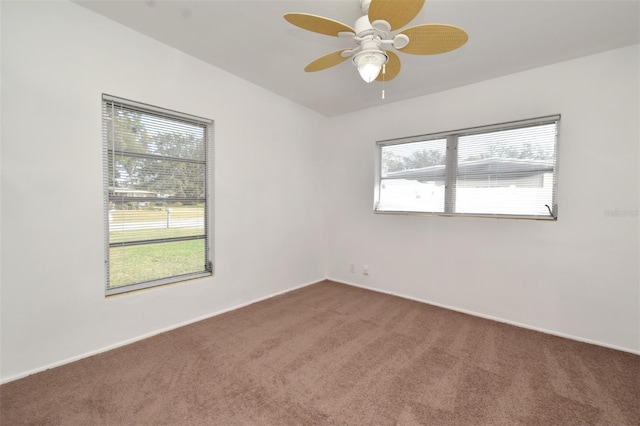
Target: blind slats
[(156, 195), (504, 169)]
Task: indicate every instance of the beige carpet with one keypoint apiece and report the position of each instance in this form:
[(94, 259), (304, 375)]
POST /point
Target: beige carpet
[(339, 355)]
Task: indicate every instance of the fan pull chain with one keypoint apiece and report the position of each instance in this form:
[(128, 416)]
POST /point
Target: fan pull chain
[(384, 72)]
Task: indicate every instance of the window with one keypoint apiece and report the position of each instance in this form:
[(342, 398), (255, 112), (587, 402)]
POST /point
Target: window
[(504, 170), (156, 184)]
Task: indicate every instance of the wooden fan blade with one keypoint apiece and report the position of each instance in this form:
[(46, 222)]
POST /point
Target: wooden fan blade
[(326, 61), (431, 39), (318, 24), (392, 67), (398, 13)]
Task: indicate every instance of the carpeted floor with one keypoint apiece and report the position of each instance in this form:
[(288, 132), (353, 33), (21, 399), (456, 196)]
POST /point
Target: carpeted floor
[(331, 354)]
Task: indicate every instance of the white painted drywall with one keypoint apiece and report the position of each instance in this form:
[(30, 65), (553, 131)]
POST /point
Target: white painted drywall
[(578, 276), (57, 60)]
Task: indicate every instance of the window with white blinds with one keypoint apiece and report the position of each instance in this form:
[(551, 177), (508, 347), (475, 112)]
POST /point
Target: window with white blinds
[(156, 190), (502, 170)]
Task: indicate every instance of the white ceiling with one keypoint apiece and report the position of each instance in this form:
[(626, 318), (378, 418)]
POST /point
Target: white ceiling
[(252, 40)]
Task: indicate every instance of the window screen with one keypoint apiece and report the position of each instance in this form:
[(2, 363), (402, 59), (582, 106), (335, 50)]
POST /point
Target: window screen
[(156, 195), (506, 169)]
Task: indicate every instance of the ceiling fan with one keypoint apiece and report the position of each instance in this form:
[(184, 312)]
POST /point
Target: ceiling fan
[(372, 34)]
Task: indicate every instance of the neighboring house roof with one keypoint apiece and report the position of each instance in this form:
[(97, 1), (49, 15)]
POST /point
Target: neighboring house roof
[(497, 168)]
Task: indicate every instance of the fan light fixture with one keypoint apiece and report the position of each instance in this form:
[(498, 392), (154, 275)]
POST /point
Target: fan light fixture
[(369, 64), (377, 33)]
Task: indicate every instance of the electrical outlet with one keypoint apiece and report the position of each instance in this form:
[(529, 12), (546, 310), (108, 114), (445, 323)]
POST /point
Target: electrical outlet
[(352, 268), (365, 270)]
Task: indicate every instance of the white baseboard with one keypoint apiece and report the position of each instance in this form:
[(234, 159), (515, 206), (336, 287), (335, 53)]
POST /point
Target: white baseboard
[(242, 305), (492, 318), (147, 335)]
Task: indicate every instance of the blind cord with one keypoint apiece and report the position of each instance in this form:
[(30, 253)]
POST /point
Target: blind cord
[(550, 212)]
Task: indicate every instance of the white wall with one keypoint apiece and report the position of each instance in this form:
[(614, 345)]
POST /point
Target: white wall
[(57, 60), (578, 276)]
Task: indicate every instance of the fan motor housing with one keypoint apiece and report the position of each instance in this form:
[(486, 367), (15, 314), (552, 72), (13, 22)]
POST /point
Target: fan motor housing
[(363, 26)]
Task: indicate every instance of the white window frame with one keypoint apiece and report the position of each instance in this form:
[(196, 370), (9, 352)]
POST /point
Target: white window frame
[(207, 125), (451, 166)]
